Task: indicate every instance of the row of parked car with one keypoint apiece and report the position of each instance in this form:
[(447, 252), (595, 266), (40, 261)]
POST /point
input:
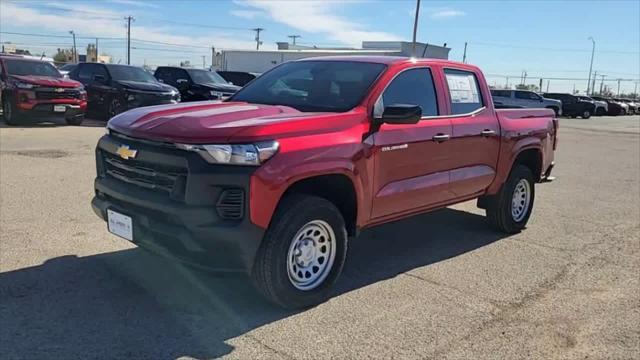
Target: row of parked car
[(566, 104), (33, 89)]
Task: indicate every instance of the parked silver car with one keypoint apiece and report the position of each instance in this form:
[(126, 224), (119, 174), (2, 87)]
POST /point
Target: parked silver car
[(524, 99), (601, 106)]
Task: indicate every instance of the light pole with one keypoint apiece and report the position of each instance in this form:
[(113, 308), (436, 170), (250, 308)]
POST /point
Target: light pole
[(75, 51), (593, 50)]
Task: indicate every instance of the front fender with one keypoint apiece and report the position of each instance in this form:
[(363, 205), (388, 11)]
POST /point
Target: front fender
[(267, 187)]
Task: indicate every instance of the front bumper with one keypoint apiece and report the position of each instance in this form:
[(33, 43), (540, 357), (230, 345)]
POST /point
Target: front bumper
[(134, 100), (45, 111), (185, 223)]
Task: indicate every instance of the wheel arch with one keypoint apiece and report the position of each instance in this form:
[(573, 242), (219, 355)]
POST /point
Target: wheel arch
[(338, 188)]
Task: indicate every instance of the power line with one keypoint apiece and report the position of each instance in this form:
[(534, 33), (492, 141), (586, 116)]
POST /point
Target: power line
[(553, 49)]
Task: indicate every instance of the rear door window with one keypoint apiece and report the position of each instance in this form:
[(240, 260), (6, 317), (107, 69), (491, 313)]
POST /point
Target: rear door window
[(464, 91), (413, 87)]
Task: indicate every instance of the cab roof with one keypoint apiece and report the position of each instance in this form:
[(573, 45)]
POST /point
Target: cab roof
[(387, 60)]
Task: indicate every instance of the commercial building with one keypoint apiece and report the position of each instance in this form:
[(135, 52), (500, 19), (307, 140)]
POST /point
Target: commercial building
[(259, 61)]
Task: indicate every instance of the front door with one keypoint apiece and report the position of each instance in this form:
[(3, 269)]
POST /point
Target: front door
[(475, 141), (411, 161)]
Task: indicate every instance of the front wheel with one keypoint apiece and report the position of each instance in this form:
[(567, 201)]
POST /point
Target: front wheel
[(586, 114), (302, 253), (510, 209), (115, 108), (8, 112)]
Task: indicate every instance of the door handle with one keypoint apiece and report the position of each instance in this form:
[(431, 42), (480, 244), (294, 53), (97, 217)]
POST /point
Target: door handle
[(487, 133), (441, 137)]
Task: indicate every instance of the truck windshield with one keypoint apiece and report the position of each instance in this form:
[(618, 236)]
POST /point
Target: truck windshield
[(130, 73), (27, 67), (206, 77), (308, 86)]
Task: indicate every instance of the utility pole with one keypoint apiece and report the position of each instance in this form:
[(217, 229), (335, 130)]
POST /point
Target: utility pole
[(619, 87), (506, 86), (129, 19), (258, 42), (593, 85), (415, 29), (601, 82), (524, 76), (593, 49), (548, 81), (204, 65), (294, 37), (635, 89), (540, 87), (213, 56), (75, 50), (464, 56), (97, 51)]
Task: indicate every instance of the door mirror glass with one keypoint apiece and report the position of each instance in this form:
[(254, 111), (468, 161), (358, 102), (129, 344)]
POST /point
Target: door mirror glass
[(402, 114)]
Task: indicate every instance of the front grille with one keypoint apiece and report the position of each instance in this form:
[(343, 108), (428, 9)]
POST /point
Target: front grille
[(231, 204), (53, 93), (150, 176)]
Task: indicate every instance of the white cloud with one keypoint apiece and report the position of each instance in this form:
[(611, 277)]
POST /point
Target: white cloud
[(247, 14), (446, 13), (104, 23), (137, 3), (317, 17)]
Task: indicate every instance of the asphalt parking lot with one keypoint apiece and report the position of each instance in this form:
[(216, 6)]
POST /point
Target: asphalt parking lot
[(439, 285)]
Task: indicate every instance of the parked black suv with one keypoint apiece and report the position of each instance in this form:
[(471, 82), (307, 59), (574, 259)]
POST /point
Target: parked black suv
[(573, 106), (196, 84), (112, 89), (240, 78)]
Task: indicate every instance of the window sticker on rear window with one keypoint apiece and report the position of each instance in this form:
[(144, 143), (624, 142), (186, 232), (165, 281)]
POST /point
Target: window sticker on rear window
[(462, 88)]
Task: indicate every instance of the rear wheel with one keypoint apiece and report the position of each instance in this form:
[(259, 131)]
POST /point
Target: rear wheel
[(510, 209), (9, 112), (302, 253), (75, 121), (600, 112)]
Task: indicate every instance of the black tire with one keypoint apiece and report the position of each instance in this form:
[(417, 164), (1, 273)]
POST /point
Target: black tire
[(600, 112), (586, 114), (499, 206), (9, 112), (75, 121), (574, 116), (270, 271), (115, 107)]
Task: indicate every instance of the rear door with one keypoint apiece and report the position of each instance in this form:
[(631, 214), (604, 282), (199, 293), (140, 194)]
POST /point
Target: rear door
[(411, 161), (475, 141)]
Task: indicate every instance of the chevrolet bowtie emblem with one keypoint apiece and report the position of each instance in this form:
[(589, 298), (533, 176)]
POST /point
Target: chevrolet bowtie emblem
[(126, 153)]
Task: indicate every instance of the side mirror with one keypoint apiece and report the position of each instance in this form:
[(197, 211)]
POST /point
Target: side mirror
[(183, 84), (402, 114), (99, 78)]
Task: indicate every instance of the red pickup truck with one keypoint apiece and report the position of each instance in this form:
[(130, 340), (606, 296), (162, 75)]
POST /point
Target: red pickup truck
[(274, 180), (31, 89)]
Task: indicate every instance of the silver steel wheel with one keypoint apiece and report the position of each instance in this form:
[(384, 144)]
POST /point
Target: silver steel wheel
[(311, 255), (586, 114), (520, 201)]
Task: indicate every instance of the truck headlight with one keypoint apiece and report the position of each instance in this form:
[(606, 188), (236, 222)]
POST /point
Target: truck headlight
[(235, 154), (216, 94), (21, 85)]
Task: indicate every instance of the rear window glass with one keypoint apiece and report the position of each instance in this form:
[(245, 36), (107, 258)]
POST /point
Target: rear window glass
[(464, 91)]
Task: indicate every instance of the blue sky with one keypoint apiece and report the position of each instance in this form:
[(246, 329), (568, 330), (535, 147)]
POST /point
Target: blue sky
[(544, 38)]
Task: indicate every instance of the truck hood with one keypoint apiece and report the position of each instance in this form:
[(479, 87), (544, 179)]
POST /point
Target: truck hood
[(145, 86), (222, 122), (47, 81)]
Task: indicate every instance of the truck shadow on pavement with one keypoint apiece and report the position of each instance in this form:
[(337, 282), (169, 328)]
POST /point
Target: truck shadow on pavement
[(131, 304)]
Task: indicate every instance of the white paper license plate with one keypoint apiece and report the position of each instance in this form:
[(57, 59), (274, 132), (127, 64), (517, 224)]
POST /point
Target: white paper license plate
[(59, 108), (120, 225)]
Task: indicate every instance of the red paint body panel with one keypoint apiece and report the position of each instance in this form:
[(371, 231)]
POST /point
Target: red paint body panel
[(396, 171)]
